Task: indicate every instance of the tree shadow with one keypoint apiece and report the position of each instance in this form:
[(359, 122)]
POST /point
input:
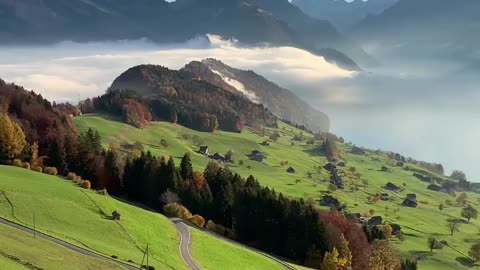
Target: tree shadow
[(465, 261)]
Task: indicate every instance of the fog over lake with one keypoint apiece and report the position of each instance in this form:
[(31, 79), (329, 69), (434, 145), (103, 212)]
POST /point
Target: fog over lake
[(428, 110)]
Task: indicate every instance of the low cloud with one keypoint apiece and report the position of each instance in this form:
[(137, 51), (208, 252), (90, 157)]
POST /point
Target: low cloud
[(82, 70)]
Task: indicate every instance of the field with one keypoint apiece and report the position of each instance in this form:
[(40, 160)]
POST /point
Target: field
[(78, 216), (20, 250), (310, 183)]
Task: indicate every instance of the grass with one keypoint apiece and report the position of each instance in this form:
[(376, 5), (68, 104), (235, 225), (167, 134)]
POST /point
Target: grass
[(77, 216), (417, 223), (212, 253), (20, 250)]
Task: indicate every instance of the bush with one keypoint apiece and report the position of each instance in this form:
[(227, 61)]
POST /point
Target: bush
[(26, 165), (71, 176), (86, 184), (197, 220), (50, 170), (216, 228), (177, 210), (78, 179), (102, 191), (17, 163), (147, 267), (37, 169)]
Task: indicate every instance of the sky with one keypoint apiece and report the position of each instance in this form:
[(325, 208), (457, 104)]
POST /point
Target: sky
[(426, 110)]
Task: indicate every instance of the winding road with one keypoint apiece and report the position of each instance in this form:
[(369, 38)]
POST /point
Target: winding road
[(185, 243), (67, 245)]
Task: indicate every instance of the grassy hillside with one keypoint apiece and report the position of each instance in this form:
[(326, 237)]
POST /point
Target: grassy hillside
[(212, 253), (78, 216), (417, 223), (20, 250)]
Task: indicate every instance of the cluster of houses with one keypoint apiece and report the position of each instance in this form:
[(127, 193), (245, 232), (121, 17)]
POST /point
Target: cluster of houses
[(410, 200), (215, 156), (335, 177), (257, 156)]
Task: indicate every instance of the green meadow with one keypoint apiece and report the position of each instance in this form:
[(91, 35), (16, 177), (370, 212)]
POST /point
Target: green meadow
[(310, 183)]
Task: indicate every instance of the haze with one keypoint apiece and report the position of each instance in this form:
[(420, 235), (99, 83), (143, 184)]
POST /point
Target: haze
[(427, 111)]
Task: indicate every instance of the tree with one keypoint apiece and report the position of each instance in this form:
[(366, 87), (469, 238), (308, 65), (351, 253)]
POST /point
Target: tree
[(458, 175), (163, 143), (462, 198), (440, 207), (383, 256), (186, 170), (453, 225), (12, 138), (330, 260), (469, 212), (345, 256), (34, 154), (474, 252), (409, 265), (434, 244)]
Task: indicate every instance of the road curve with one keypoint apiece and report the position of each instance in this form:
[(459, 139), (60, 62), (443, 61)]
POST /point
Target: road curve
[(182, 226), (185, 244), (67, 245)]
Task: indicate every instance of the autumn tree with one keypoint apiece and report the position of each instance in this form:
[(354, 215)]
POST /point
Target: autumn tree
[(34, 154), (383, 256), (12, 138), (469, 212), (330, 260)]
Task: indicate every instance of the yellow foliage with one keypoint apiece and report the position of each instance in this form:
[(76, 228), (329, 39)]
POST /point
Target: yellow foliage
[(177, 210), (12, 138), (86, 184)]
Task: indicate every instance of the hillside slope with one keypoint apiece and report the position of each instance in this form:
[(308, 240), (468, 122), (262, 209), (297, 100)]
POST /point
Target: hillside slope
[(282, 102), (78, 216), (310, 181)]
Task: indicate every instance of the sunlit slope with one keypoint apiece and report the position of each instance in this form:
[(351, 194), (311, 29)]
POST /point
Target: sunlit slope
[(310, 183)]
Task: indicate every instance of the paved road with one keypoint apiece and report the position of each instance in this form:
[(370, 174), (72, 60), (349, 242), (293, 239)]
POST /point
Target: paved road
[(67, 245), (182, 227), (185, 244)]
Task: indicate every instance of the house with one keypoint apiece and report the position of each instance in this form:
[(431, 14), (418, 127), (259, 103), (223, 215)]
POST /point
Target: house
[(384, 197), (392, 187), (337, 180), (203, 150), (410, 201), (329, 200), (265, 143), (375, 221), (434, 187), (218, 157), (257, 155), (330, 167), (341, 164), (115, 215), (291, 170)]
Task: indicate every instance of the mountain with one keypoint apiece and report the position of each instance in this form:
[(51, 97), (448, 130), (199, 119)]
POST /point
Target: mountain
[(252, 22), (280, 101), (439, 28), (181, 97), (341, 13)]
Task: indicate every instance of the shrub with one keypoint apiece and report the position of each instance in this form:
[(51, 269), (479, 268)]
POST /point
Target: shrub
[(147, 267), (115, 256), (216, 228), (50, 170), (177, 210), (26, 165), (71, 176), (17, 163), (78, 179), (37, 169), (197, 220), (86, 184)]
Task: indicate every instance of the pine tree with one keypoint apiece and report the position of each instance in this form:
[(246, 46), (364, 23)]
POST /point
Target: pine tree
[(186, 170)]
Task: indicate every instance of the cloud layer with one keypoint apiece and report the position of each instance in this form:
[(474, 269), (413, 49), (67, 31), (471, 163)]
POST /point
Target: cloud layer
[(426, 109)]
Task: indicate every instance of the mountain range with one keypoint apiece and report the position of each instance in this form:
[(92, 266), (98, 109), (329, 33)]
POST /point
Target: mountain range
[(252, 22), (436, 28), (341, 13)]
